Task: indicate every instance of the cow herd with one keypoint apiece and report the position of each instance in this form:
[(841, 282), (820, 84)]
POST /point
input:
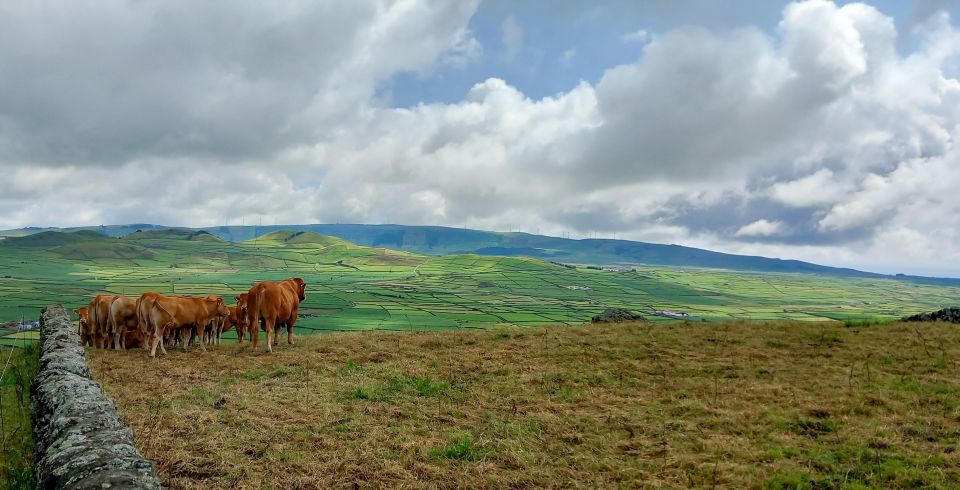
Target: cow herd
[(154, 319)]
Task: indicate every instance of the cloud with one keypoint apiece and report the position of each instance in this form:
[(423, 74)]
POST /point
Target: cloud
[(760, 227), (566, 59), (108, 82), (637, 36), (819, 188), (511, 35), (813, 138), (465, 50)]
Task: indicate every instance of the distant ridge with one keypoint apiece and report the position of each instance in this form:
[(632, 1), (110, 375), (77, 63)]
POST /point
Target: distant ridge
[(440, 240)]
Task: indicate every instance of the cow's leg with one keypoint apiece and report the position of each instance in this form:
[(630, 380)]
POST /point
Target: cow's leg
[(270, 324), (168, 329), (290, 324), (156, 337)]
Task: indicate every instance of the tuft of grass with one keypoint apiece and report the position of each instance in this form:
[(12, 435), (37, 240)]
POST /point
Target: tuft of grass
[(812, 427), (359, 394), (351, 367), (462, 448), (855, 323), (401, 386)]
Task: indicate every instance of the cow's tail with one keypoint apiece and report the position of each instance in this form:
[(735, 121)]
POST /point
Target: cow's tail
[(114, 328), (143, 320), (254, 303)]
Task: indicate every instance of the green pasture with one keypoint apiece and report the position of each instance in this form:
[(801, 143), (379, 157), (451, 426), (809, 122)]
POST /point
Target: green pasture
[(360, 288)]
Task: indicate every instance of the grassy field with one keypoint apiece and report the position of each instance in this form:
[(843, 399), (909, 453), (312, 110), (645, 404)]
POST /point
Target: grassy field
[(17, 369), (735, 405), (360, 288)]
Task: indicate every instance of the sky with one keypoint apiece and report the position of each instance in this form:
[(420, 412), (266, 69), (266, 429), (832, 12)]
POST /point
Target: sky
[(813, 130)]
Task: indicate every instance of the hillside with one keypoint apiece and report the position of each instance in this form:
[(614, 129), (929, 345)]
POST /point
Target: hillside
[(734, 405), (354, 287), (46, 239), (94, 250), (172, 233), (284, 238), (438, 240)]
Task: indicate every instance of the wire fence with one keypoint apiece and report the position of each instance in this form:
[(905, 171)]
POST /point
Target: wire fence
[(16, 438)]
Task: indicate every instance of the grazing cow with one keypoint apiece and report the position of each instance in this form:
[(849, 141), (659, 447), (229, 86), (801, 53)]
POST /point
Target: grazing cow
[(132, 339), (98, 312), (277, 303), (159, 314), (84, 325), (123, 318)]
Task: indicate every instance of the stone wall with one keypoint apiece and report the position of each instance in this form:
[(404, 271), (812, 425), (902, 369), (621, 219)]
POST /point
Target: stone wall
[(80, 440)]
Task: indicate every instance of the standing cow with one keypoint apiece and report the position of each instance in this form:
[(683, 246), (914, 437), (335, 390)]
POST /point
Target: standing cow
[(159, 314), (277, 304), (122, 317), (98, 328), (241, 320), (224, 325), (84, 325)]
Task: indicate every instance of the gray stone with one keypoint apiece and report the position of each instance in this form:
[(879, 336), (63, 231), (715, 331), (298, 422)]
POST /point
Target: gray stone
[(616, 315), (80, 439), (945, 315)]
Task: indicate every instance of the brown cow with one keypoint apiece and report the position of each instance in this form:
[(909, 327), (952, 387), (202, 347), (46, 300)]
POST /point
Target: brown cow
[(98, 312), (277, 303), (84, 325), (226, 323), (207, 331), (158, 314), (123, 319), (132, 339), (241, 320)]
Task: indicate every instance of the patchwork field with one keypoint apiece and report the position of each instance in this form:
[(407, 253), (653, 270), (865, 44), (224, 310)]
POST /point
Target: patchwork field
[(729, 405), (360, 288)]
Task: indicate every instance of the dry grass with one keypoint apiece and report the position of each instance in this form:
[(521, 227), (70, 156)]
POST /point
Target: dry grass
[(684, 405)]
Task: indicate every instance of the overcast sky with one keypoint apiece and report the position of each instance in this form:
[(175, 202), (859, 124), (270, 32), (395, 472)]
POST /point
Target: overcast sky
[(813, 130)]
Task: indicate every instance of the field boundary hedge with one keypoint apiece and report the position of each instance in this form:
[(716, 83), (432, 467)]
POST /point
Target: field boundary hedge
[(81, 442)]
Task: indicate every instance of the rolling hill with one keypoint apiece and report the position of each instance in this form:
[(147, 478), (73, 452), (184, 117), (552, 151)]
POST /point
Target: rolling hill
[(439, 240)]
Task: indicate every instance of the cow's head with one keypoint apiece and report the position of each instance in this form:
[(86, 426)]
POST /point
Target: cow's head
[(301, 288), (241, 304), (84, 323), (219, 305)]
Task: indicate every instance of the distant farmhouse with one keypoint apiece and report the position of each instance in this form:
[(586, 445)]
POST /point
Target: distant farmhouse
[(619, 269), (671, 314), (22, 327)]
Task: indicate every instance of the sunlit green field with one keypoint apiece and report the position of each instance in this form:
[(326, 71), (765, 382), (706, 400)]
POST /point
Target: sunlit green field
[(359, 288)]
